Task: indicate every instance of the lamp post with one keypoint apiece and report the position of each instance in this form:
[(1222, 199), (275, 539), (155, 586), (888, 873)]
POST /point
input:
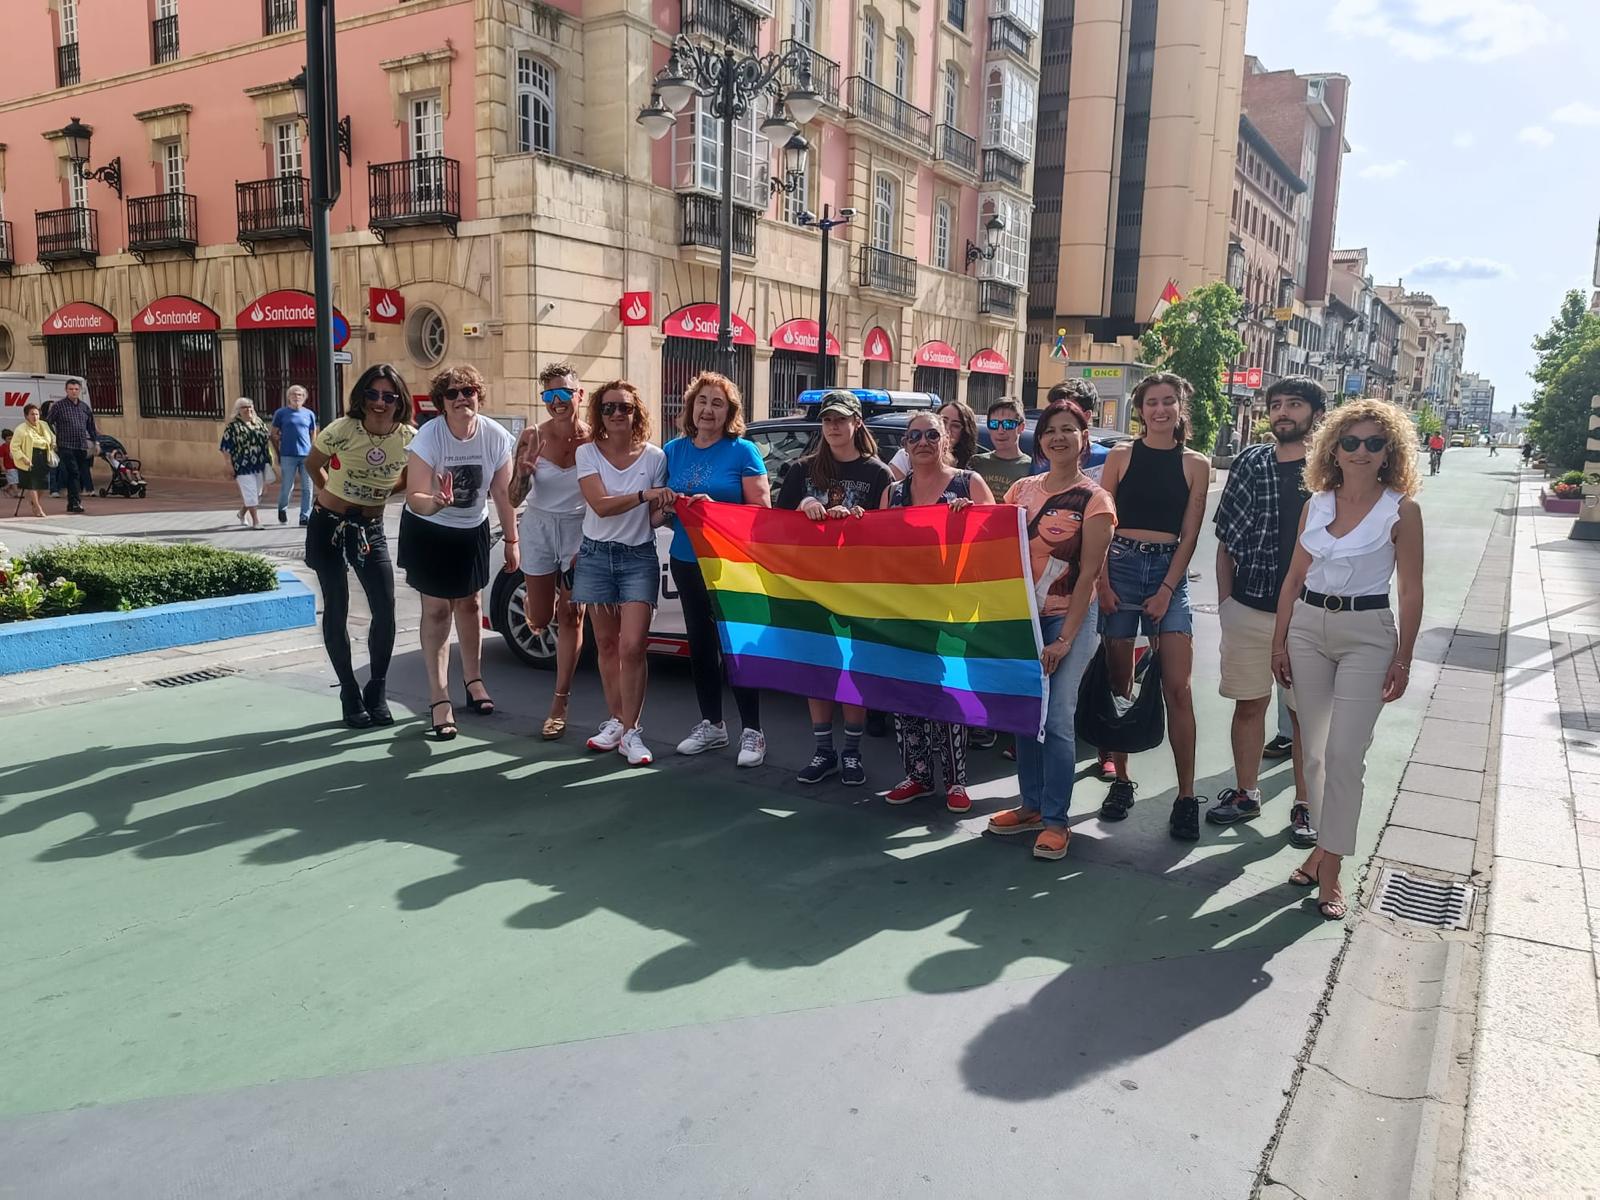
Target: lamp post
[(992, 229), (77, 134), (732, 82), (317, 97)]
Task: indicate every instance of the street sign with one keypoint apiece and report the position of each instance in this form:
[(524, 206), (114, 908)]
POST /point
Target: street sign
[(343, 358), (341, 331), (1059, 350)]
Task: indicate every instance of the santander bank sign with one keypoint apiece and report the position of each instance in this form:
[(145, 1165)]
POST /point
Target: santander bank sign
[(701, 321), (78, 317), (175, 314), (286, 309)]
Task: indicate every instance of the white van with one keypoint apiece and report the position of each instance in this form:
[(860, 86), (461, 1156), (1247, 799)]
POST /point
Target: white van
[(18, 390)]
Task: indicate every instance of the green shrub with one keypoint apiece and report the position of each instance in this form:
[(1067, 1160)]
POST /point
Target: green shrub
[(1572, 477), (117, 576)]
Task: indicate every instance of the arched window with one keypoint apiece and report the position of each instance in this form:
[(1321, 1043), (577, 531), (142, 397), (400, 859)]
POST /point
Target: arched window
[(871, 34), (941, 235), (902, 65), (885, 211), (536, 105), (952, 95)]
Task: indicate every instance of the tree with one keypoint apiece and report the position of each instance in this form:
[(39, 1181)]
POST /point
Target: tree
[(1195, 338), (1428, 422), (1558, 414)]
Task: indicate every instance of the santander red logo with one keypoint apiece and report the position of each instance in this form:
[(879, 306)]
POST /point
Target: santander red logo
[(876, 346), (79, 317), (635, 310), (386, 306), (938, 354)]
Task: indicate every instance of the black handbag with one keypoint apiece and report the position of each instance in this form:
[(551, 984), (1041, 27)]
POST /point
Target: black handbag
[(1110, 722)]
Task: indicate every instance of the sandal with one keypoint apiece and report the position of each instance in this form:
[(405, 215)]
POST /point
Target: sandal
[(1052, 844), (553, 728), (484, 707), (445, 731), (1299, 878), (1332, 910)]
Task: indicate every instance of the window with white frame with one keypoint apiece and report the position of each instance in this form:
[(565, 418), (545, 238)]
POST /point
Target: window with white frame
[(952, 95), (172, 174), (1010, 103), (286, 158), (1026, 13), (166, 8), (798, 201), (1010, 262), (871, 34), (67, 22), (427, 127), (77, 188), (885, 211), (697, 153), (536, 105), (902, 65), (941, 235), (803, 22)]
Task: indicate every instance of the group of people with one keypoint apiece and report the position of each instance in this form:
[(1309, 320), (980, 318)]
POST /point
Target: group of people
[(250, 445), (52, 449), (1311, 528)]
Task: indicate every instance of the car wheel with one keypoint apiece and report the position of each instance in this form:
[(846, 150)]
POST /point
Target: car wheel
[(508, 615)]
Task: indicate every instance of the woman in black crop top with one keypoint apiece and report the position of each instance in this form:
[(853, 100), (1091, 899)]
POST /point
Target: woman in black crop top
[(1159, 487)]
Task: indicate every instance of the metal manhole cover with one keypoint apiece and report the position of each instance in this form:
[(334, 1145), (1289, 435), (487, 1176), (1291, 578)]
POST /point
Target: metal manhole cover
[(172, 681), (1440, 903)]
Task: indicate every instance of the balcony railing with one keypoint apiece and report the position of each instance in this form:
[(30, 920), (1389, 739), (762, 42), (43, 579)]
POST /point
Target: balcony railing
[(721, 21), (417, 191), (68, 71), (164, 39), (997, 298), (1006, 36), (700, 224), (281, 16), (885, 272), (67, 233), (1000, 167), (824, 72), (8, 252), (888, 112), (169, 221), (952, 146), (270, 209)]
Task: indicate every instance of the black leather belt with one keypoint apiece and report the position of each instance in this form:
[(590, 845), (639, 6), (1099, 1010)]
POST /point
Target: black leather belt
[(1344, 603), (1145, 547)]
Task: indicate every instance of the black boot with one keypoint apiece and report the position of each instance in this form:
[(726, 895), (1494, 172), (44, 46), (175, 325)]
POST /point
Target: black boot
[(355, 712), (372, 698)]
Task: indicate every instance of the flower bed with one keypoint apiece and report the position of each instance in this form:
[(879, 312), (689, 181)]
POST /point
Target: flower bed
[(1565, 495)]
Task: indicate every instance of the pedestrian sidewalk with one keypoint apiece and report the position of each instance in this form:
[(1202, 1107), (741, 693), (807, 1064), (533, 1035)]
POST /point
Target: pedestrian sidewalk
[(1534, 1105)]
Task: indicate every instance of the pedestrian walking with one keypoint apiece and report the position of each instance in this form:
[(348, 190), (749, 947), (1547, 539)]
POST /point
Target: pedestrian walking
[(33, 445), (1527, 451), (712, 460), (1336, 641), (8, 466), (1257, 522), (842, 478), (459, 462), (933, 479), (294, 427), (1158, 486), (358, 462), (1070, 524), (77, 442), (247, 445), (623, 479), (551, 527)]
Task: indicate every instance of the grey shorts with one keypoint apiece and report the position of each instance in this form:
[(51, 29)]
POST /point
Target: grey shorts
[(550, 541)]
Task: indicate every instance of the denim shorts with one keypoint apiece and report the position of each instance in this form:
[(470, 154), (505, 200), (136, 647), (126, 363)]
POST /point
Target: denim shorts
[(1135, 575), (611, 573)]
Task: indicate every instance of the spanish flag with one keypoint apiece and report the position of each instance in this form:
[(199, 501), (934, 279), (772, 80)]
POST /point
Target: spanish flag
[(1170, 295)]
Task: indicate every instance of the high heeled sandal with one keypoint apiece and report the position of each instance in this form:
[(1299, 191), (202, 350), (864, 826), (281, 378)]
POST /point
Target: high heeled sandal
[(554, 727), (442, 732), (484, 707)]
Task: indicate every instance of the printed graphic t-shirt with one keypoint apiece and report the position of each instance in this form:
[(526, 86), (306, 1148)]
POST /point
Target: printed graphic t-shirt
[(859, 483), (718, 470), (1055, 534), (471, 462), (1000, 473), (363, 469)]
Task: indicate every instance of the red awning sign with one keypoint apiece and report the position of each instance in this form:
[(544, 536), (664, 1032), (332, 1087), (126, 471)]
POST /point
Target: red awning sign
[(989, 362), (877, 346), (79, 317), (937, 354), (175, 314), (701, 321), (281, 310), (801, 334)]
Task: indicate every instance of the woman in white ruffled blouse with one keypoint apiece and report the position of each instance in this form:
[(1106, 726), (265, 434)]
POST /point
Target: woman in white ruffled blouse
[(1337, 641)]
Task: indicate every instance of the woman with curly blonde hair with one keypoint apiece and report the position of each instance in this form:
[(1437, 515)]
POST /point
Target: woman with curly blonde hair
[(1337, 641)]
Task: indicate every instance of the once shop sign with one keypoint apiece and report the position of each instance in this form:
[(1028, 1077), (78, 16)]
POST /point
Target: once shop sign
[(701, 321), (282, 310), (877, 346), (79, 317), (801, 334), (937, 354), (989, 362), (175, 314)]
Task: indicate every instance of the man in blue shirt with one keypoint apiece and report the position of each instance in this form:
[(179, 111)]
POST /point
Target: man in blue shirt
[(293, 427)]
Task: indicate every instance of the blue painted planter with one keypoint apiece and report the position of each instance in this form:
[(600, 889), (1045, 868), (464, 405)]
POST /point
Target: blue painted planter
[(56, 641)]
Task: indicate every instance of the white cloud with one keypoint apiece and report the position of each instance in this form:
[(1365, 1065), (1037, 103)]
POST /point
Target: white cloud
[(1476, 30), (1577, 113), (1536, 135), (1465, 140), (1458, 268), (1383, 170)]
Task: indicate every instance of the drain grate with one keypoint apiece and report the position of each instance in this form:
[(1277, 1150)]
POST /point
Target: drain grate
[(172, 681), (1422, 901)]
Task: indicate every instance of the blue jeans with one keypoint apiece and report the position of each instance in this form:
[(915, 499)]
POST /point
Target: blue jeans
[(1135, 576), (611, 573), (290, 468), (1046, 770)]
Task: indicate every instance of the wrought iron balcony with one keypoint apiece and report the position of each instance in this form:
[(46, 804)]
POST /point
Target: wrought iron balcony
[(281, 16), (1006, 36), (164, 39), (952, 146), (416, 191), (169, 221), (68, 70), (66, 234), (273, 209), (700, 224), (882, 271), (884, 110), (721, 21), (824, 72), (1000, 167), (996, 298), (8, 251)]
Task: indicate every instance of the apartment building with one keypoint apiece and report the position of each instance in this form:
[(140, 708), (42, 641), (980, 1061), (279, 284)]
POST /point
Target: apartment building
[(1435, 371), (1361, 333), (1477, 400), (1263, 255), (500, 204)]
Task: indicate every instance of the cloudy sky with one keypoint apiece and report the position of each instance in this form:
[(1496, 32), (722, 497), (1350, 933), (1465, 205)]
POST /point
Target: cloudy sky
[(1474, 170)]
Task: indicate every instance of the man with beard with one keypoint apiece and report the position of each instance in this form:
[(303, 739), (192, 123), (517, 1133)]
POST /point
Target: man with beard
[(1258, 520)]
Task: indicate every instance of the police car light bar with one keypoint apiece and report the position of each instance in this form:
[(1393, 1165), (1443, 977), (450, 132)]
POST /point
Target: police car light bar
[(874, 399)]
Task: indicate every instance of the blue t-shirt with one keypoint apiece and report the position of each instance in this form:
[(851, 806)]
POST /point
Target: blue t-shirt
[(295, 427), (718, 471)]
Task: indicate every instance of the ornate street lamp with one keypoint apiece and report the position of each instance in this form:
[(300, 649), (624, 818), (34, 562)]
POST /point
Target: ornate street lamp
[(992, 229), (302, 106), (77, 135)]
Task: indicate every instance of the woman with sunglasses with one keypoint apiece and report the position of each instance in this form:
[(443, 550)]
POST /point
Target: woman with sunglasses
[(933, 480), (622, 477), (460, 461), (712, 461), (357, 463), (960, 439), (551, 527), (1337, 642)]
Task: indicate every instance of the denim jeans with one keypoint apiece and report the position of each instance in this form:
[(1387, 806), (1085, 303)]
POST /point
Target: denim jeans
[(291, 468), (1285, 724), (1046, 770)]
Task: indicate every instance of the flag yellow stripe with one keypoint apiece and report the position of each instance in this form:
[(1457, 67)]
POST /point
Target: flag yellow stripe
[(996, 600)]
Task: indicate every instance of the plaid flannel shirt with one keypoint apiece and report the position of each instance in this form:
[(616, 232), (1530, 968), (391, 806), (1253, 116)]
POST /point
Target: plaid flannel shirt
[(1247, 522), (74, 425)]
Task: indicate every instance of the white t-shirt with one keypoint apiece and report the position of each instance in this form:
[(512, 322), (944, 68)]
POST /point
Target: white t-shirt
[(471, 463), (649, 470)]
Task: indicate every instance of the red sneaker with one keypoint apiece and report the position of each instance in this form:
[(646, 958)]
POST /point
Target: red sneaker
[(1106, 769), (908, 790), (957, 800)]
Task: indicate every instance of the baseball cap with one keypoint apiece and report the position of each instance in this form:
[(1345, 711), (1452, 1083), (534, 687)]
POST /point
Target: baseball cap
[(840, 401)]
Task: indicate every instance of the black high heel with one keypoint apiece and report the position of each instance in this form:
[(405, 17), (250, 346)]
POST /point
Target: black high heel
[(484, 707), (377, 705), (356, 715), (446, 731)]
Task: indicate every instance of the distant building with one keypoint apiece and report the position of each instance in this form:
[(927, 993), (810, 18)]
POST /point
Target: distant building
[(1477, 400)]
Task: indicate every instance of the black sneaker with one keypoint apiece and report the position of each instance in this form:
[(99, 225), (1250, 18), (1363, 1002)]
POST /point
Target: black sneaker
[(1184, 823), (1278, 747), (1235, 805), (822, 764), (283, 516), (304, 521), (983, 739), (852, 773), (1118, 800), (374, 700), (1300, 831)]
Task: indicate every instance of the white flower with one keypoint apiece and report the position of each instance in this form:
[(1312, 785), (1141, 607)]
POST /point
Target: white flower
[(58, 582)]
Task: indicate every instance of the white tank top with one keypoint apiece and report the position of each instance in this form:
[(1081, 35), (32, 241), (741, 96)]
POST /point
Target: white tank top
[(1360, 563), (555, 489)]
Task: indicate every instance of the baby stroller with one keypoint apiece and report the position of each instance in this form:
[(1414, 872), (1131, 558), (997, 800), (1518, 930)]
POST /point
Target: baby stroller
[(125, 478)]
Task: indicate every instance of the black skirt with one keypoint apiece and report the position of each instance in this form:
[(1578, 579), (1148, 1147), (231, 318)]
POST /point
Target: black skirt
[(442, 561)]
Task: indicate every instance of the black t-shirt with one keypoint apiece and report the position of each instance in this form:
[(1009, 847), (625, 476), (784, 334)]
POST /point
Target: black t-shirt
[(858, 483), (1291, 500)]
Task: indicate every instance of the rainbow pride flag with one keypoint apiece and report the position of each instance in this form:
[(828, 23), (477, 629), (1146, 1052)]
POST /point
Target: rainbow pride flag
[(919, 611)]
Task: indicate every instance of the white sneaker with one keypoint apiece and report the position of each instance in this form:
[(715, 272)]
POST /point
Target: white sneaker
[(752, 748), (638, 754), (704, 736), (609, 736)]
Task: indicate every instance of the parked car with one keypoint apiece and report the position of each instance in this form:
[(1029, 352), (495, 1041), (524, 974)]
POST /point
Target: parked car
[(1457, 439), (783, 441)]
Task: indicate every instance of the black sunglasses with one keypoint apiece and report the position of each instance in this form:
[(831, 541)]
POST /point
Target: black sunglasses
[(375, 396), (466, 393), (913, 436), (554, 396), (1349, 443), (1004, 422), (612, 407)]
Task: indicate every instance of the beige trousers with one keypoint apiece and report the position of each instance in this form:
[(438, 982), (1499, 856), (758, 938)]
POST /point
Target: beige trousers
[(1339, 661)]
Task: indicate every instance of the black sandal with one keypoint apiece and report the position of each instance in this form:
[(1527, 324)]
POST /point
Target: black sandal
[(484, 707), (446, 731)]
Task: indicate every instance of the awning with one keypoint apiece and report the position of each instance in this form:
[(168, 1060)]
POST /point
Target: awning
[(801, 334), (78, 317), (701, 321), (988, 362), (877, 346), (285, 309), (175, 314), (937, 354)]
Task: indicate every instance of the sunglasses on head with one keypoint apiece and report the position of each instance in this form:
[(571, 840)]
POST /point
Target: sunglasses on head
[(913, 436), (612, 407), (378, 396), (464, 393), (1349, 443), (554, 396), (1004, 422)]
